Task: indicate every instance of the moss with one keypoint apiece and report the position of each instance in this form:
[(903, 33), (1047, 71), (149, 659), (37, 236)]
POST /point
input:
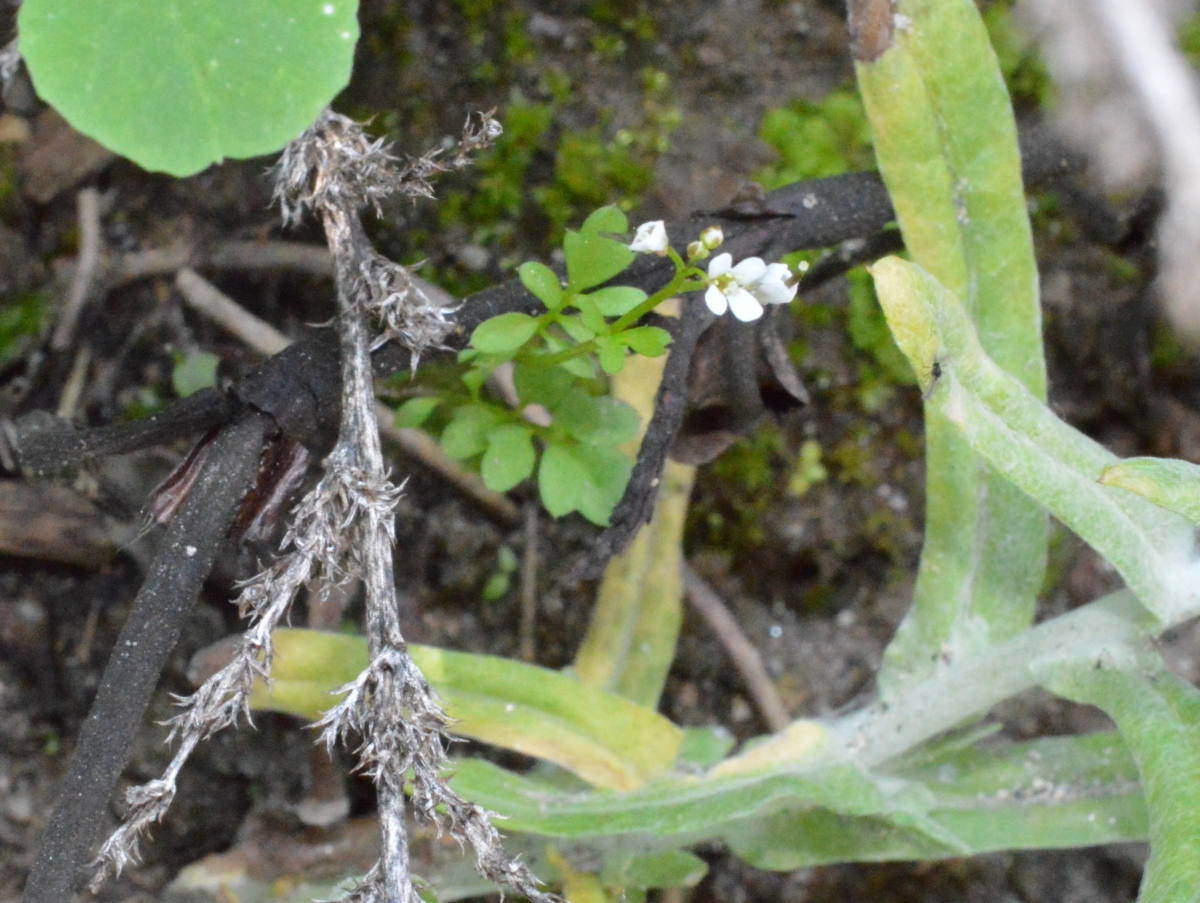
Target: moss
[(8, 180), (1122, 269), (808, 471), (739, 487), (608, 47), (815, 140), (1168, 352), (500, 190), (852, 459), (1189, 38), (1052, 222), (21, 321), (141, 403), (590, 171), (1023, 70)]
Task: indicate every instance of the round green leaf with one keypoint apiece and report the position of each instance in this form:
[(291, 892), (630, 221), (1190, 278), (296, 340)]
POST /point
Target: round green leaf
[(592, 259), (543, 283), (573, 326), (176, 86), (542, 385), (582, 478), (509, 457), (617, 300), (415, 411), (590, 314), (558, 479), (648, 340), (504, 334), (607, 472), (611, 354), (466, 434), (606, 219)]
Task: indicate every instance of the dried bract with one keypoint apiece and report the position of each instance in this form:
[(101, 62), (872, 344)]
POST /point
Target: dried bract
[(334, 163), (407, 315)]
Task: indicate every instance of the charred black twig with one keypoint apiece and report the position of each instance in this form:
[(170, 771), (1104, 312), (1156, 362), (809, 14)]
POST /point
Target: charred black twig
[(637, 504), (851, 253), (823, 213), (150, 633), (46, 444)]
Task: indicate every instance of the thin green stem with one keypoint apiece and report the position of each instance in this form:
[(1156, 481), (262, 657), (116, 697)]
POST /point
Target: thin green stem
[(677, 286)]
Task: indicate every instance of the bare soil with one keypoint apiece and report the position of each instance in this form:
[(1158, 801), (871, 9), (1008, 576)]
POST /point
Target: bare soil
[(819, 580)]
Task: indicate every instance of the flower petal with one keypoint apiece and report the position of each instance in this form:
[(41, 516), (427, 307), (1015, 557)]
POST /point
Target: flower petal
[(776, 272), (773, 292), (744, 305), (719, 265), (749, 270), (715, 300), (651, 238)]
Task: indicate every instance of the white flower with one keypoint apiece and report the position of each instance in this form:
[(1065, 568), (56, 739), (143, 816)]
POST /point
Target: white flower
[(772, 286), (651, 238), (727, 287)]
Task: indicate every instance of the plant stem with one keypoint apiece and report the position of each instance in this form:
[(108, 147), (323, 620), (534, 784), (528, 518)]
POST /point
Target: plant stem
[(677, 286), (960, 691)]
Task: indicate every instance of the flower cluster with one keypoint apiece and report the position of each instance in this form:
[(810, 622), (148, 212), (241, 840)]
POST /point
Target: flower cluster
[(744, 289)]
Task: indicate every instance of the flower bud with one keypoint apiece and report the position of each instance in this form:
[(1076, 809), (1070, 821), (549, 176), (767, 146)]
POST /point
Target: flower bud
[(712, 237), (651, 238)]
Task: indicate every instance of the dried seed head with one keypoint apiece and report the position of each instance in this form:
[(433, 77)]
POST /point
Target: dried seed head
[(335, 163), (406, 313)]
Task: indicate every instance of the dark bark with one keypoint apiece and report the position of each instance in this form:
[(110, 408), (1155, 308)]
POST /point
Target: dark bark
[(159, 612)]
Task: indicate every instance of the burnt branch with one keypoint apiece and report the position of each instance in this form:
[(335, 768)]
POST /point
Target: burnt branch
[(637, 504), (147, 638)]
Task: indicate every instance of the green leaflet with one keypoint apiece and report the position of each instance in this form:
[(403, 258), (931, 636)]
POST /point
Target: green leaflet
[(177, 86), (945, 140), (1055, 464), (604, 739), (1159, 716)]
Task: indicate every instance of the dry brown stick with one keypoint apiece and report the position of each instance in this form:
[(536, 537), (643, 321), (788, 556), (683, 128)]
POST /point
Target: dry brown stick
[(52, 523), (425, 449), (260, 335), (741, 651), (204, 297), (68, 404), (314, 260), (86, 266), (230, 255), (529, 568)]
